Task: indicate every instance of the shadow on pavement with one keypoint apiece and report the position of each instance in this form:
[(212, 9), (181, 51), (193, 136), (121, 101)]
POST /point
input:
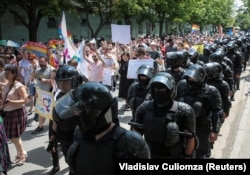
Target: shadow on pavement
[(28, 136)]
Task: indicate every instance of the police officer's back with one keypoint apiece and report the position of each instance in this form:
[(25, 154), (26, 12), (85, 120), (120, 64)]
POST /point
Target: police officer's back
[(102, 141)]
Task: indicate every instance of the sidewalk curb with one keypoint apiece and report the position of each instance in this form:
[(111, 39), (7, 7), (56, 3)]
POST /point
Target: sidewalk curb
[(241, 130)]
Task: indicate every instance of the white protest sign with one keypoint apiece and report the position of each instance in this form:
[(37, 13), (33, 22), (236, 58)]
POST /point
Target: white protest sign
[(133, 66), (121, 33), (107, 73)]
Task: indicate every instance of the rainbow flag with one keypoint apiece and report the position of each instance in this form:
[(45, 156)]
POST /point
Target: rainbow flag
[(53, 61), (37, 48), (195, 28)]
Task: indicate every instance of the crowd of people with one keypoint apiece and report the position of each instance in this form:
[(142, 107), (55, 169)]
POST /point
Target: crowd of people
[(177, 105)]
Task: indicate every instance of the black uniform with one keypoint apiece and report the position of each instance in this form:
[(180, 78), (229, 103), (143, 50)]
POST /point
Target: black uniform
[(65, 128), (138, 90), (124, 81), (215, 78), (206, 53), (175, 60), (101, 141), (98, 157), (236, 59), (163, 119), (227, 66)]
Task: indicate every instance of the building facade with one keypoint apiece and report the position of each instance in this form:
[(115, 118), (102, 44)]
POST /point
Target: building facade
[(13, 29)]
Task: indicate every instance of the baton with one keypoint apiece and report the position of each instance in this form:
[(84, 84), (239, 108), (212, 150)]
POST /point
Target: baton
[(186, 134)]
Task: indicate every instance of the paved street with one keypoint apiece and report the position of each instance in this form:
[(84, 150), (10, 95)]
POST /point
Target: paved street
[(232, 143)]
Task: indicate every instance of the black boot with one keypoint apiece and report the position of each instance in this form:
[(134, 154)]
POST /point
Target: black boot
[(54, 170), (55, 159), (232, 98)]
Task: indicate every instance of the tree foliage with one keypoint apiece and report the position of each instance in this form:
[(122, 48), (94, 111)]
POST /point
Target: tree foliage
[(200, 12), (35, 10)]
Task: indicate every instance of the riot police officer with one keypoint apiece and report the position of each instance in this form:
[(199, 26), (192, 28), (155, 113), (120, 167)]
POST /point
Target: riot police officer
[(67, 78), (242, 50), (206, 53), (226, 64), (206, 102), (215, 78), (164, 121), (175, 60), (193, 58), (236, 58), (102, 141), (185, 59), (138, 90)]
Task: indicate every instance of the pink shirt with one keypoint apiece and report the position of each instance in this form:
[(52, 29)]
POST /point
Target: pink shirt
[(13, 95), (96, 71)]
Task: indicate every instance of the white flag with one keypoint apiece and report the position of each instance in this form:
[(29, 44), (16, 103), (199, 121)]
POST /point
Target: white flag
[(63, 27), (82, 66)]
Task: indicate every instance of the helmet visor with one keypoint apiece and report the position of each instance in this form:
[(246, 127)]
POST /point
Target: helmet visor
[(67, 106), (195, 75), (64, 85)]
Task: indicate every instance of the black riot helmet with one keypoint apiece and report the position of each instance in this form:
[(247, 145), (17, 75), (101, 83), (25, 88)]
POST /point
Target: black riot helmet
[(174, 60), (230, 46), (214, 47), (144, 74), (68, 73), (193, 55), (239, 41), (207, 50), (180, 56), (163, 80), (185, 57), (216, 57), (198, 75), (225, 41), (220, 50), (91, 103), (217, 41), (214, 71)]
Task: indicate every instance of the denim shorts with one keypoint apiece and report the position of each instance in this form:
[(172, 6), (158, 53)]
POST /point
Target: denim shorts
[(32, 89)]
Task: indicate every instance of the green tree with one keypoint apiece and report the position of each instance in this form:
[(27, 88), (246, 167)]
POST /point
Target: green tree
[(213, 12), (35, 10), (103, 9), (126, 9)]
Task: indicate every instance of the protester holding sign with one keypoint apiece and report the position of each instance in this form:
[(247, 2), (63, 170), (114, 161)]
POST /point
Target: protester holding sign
[(110, 65), (43, 79)]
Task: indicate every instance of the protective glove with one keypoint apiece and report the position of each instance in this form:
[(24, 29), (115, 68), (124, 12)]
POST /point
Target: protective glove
[(52, 146)]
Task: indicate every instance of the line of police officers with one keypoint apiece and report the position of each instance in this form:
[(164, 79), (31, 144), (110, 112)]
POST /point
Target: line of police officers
[(178, 112)]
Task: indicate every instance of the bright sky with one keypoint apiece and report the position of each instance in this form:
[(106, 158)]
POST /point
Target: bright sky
[(238, 3)]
